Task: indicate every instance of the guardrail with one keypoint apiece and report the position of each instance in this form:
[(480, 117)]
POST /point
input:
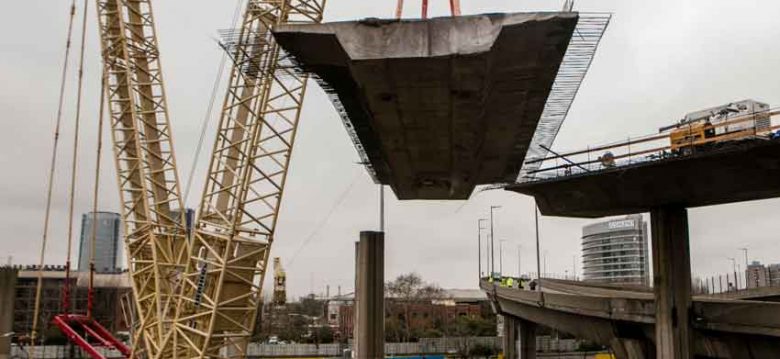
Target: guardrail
[(640, 149), (426, 346)]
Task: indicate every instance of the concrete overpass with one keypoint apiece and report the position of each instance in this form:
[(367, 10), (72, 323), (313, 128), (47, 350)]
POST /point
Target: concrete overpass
[(624, 319), (436, 107)]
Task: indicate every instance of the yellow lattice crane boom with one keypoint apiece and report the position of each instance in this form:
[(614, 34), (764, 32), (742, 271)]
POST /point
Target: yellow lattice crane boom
[(155, 239), (243, 191)]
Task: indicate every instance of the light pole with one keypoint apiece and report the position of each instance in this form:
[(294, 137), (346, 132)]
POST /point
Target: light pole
[(492, 245), (382, 208), (538, 262), (518, 261), (744, 249), (479, 245), (501, 257)]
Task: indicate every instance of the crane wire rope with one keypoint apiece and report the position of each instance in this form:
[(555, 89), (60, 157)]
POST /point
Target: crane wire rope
[(96, 192), (210, 108), (50, 179), (74, 159), (325, 220)]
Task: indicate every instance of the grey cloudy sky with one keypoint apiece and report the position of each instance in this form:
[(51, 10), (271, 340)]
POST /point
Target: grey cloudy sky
[(658, 60)]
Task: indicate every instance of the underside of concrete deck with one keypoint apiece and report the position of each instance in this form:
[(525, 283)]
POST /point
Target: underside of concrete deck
[(740, 171), (436, 107)]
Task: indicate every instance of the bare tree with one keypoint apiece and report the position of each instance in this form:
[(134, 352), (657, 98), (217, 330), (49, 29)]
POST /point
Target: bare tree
[(407, 290)]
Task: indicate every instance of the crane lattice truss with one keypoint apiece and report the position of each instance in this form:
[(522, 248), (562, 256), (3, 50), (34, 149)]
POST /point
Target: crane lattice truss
[(244, 187), (143, 151)]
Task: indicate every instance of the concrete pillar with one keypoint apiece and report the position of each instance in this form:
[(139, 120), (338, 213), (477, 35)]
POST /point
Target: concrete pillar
[(509, 337), (370, 296), (672, 282), (7, 293), (527, 339)]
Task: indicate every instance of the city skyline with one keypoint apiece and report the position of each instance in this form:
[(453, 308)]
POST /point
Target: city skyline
[(657, 62)]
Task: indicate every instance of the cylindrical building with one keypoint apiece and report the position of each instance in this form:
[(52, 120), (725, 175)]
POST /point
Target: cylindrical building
[(615, 251), (108, 245)]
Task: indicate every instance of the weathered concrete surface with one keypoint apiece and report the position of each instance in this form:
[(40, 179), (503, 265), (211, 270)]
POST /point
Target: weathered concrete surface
[(625, 320), (369, 295), (672, 282), (527, 334), (437, 106), (7, 296), (743, 171), (509, 338)]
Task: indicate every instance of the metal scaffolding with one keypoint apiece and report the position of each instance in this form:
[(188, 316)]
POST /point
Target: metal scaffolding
[(576, 62)]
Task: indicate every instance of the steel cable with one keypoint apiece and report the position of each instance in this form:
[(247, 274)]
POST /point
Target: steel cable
[(50, 184)]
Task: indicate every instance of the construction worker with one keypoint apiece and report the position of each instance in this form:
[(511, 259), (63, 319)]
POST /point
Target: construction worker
[(510, 282)]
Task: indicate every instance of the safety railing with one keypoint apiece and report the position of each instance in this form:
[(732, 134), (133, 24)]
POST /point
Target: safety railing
[(649, 148)]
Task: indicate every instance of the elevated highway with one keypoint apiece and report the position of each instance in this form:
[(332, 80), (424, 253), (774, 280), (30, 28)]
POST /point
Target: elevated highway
[(623, 318)]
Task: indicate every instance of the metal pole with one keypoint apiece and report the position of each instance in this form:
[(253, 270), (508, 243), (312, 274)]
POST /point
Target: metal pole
[(518, 261), (733, 264), (492, 243), (381, 208), (479, 243), (538, 262), (479, 250), (744, 249), (574, 266), (501, 257)]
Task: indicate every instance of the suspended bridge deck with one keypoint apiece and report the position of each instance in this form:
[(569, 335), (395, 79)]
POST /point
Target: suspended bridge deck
[(436, 107)]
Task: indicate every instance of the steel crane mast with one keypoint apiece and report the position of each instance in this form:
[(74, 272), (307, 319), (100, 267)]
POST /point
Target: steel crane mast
[(244, 187), (155, 238)]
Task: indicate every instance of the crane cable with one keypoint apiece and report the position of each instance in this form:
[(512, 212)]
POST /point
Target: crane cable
[(50, 179), (96, 192), (210, 108), (74, 164)]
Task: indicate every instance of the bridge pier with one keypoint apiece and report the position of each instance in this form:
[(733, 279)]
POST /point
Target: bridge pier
[(527, 339), (369, 331), (509, 337), (519, 340), (672, 282)]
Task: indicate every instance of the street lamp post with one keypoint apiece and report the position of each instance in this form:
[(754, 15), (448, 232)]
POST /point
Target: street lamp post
[(479, 246), (501, 257), (518, 261), (538, 263), (492, 245), (744, 249)]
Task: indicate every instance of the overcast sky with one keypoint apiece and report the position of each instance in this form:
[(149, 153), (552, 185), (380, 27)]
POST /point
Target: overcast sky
[(657, 61)]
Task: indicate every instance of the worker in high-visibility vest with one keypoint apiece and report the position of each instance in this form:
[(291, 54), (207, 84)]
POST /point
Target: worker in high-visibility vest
[(510, 282)]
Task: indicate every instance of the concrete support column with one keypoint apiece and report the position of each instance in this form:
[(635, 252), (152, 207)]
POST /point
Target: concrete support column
[(509, 337), (527, 339), (370, 296), (7, 292), (672, 282)]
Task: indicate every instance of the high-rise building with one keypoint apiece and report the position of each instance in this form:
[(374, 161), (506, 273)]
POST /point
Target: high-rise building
[(108, 243), (757, 275), (615, 251)]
